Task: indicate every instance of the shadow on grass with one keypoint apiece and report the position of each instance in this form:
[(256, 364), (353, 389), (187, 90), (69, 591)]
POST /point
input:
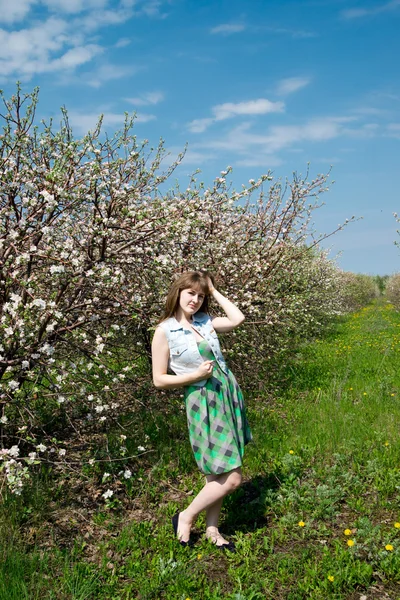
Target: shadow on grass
[(245, 509)]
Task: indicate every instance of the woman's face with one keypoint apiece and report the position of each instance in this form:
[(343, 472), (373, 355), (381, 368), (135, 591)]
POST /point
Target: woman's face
[(190, 300)]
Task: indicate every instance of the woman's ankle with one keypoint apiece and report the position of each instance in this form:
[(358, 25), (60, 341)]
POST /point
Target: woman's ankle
[(186, 517)]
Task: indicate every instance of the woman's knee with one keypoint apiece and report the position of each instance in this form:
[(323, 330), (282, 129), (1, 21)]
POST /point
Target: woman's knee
[(234, 480)]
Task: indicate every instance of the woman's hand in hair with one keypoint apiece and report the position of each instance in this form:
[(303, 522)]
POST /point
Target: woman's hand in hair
[(210, 283)]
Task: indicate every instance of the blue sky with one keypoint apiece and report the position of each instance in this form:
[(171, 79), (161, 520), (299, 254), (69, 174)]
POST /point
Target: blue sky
[(256, 85)]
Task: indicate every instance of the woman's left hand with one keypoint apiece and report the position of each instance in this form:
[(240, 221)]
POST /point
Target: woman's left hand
[(210, 284)]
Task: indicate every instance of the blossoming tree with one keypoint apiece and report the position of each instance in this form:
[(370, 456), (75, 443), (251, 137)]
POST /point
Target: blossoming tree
[(88, 247)]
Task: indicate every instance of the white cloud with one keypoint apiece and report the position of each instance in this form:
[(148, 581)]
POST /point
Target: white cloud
[(43, 48), (199, 125), (144, 118), (74, 57), (292, 84), (334, 160), (56, 44), (150, 98), (370, 110), (60, 44), (356, 13), (152, 8), (394, 130), (261, 106), (84, 122), (255, 149), (252, 107), (227, 28), (294, 33), (243, 141), (13, 11), (102, 18), (265, 161), (108, 72), (73, 6), (122, 43), (192, 156)]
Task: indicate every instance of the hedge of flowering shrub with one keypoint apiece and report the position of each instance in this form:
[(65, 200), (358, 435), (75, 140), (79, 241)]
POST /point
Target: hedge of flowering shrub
[(88, 249), (393, 290), (357, 290)]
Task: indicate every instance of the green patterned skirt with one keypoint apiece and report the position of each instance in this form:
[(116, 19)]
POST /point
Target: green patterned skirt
[(217, 422)]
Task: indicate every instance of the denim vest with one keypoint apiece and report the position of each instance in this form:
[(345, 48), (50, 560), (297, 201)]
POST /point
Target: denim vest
[(184, 355)]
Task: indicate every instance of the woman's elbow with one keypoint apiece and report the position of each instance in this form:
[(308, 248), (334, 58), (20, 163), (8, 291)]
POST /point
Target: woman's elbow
[(240, 320), (157, 384)]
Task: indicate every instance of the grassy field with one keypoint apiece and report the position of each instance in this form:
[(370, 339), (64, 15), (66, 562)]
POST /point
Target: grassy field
[(318, 515)]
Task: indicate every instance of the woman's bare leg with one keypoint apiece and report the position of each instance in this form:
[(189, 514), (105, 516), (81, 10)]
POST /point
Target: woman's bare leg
[(216, 488), (213, 512), (212, 518)]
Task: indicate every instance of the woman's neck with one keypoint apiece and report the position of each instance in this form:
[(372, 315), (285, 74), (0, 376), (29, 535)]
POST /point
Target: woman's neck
[(183, 318)]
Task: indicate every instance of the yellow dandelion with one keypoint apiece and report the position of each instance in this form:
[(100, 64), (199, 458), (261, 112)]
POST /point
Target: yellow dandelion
[(389, 547), (331, 578), (397, 525), (350, 543), (291, 451), (351, 389), (386, 443), (392, 394), (301, 524), (364, 393), (347, 532), (199, 556)]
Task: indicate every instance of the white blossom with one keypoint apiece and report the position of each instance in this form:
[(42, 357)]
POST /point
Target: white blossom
[(13, 451), (47, 349), (57, 269), (39, 303)]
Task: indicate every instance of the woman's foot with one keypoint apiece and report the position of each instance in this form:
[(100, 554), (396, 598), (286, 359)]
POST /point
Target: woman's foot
[(182, 528), (218, 540)]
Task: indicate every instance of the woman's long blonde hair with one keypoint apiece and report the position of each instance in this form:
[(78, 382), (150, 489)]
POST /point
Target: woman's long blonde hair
[(191, 279)]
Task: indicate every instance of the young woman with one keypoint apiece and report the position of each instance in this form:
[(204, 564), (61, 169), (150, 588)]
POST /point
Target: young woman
[(186, 343)]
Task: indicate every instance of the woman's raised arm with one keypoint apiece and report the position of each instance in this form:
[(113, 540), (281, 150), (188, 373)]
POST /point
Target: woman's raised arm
[(234, 316)]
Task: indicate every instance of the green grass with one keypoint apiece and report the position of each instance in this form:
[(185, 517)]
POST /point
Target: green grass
[(325, 459)]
